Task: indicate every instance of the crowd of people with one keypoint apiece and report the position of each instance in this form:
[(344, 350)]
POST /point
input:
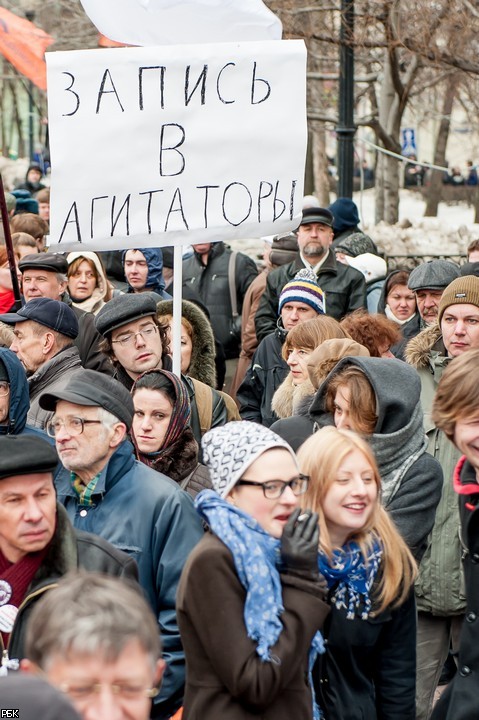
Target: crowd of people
[(288, 527)]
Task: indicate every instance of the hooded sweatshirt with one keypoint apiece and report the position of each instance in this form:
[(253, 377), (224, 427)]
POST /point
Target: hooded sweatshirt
[(411, 478), (155, 281), (20, 401)]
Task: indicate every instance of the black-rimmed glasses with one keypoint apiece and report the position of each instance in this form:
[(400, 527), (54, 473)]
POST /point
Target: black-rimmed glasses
[(4, 388), (273, 489)]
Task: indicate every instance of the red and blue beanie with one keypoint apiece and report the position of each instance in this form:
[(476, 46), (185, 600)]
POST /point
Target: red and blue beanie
[(305, 289)]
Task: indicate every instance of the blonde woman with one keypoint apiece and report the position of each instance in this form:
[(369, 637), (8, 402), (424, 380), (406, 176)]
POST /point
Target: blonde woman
[(369, 667)]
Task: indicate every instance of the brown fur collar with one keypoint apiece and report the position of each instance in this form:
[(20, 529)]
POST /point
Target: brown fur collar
[(288, 398), (178, 460), (418, 349)]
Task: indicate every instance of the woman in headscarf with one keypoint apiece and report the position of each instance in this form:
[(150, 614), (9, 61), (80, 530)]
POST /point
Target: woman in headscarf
[(380, 399), (369, 668), (88, 285), (161, 430), (249, 602)]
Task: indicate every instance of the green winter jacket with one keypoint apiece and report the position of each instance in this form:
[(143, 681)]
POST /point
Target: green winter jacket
[(440, 584)]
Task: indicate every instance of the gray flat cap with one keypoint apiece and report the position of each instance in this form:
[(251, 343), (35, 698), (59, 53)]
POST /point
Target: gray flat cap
[(123, 309), (93, 389), (433, 275)]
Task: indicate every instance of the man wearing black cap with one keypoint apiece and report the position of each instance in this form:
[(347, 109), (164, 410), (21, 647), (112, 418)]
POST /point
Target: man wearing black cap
[(44, 334), (135, 342), (45, 275), (129, 504), (344, 286), (38, 544)]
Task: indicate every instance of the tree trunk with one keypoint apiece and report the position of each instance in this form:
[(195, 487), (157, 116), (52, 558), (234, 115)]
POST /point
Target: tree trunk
[(435, 185), (320, 165)]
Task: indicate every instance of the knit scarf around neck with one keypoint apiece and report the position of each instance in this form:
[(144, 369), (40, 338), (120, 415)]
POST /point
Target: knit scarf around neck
[(396, 452), (351, 576), (256, 556)]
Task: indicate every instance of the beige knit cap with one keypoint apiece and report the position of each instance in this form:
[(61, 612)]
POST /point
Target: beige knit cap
[(461, 290)]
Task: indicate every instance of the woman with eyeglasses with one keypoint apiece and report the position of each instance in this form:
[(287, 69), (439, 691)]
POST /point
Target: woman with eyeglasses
[(161, 431), (368, 671), (250, 599)]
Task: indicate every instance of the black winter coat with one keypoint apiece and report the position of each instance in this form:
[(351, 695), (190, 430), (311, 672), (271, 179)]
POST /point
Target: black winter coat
[(212, 285), (70, 550), (460, 701), (264, 376), (368, 671), (344, 286)]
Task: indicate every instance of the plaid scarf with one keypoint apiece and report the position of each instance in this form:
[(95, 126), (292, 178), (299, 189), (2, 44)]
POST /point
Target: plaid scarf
[(84, 492)]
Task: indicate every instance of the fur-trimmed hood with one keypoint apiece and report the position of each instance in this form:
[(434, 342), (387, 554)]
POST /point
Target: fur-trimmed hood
[(202, 366), (418, 350)]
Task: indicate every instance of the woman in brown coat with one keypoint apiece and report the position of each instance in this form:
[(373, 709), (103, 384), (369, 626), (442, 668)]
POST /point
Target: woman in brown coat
[(250, 600)]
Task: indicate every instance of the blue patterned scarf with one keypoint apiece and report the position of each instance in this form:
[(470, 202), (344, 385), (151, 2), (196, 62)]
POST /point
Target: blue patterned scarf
[(256, 556), (352, 577)]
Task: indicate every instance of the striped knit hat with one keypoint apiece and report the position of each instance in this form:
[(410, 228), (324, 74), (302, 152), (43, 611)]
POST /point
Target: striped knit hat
[(304, 288)]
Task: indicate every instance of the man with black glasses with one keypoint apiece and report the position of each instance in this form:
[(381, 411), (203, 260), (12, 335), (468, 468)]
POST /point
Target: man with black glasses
[(135, 341)]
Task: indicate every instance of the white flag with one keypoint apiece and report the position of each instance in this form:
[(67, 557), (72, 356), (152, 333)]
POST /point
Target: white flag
[(174, 22)]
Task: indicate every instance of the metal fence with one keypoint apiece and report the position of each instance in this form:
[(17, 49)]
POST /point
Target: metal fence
[(409, 262)]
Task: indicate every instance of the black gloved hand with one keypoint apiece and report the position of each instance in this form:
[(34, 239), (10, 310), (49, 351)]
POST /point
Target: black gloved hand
[(299, 544)]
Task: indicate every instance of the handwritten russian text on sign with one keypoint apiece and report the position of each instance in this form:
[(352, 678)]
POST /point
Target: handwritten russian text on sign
[(162, 146)]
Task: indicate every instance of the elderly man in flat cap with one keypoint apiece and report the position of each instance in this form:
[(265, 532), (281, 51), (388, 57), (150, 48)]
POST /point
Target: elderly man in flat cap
[(344, 286), (45, 275), (439, 589), (134, 507), (428, 282), (38, 544), (44, 333)]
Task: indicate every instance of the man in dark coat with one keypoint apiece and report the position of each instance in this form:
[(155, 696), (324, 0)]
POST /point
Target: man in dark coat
[(218, 274), (300, 300), (456, 412), (344, 286), (38, 544)]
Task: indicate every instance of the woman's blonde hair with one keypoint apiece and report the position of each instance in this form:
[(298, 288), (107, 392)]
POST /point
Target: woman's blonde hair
[(320, 457), (311, 333)]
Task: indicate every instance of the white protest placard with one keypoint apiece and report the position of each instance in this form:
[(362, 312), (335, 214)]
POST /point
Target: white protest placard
[(173, 145)]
